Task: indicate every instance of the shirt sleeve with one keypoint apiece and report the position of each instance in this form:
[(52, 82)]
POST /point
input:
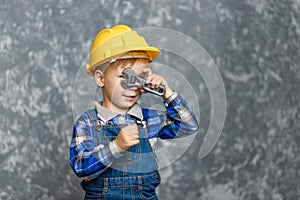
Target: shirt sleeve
[(179, 119), (87, 160)]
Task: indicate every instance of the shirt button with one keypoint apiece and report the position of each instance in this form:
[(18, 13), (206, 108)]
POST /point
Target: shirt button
[(121, 120), (166, 104)]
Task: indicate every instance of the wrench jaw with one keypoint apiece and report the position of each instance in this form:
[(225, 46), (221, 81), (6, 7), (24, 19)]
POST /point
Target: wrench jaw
[(133, 80), (124, 81)]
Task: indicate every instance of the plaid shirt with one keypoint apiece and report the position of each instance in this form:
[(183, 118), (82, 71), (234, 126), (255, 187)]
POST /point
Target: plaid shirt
[(89, 161)]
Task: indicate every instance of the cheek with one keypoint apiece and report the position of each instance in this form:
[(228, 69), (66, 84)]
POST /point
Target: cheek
[(111, 86), (117, 88)]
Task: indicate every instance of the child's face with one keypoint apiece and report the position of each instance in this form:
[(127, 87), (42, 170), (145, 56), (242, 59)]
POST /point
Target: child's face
[(115, 97)]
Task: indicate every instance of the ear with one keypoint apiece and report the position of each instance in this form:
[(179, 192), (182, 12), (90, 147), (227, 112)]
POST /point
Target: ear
[(99, 78)]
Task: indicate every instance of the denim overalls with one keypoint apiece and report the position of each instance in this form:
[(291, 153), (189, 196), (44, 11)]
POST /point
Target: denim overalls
[(133, 176)]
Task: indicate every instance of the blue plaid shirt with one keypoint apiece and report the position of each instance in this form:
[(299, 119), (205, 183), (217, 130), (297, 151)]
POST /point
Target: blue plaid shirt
[(89, 161)]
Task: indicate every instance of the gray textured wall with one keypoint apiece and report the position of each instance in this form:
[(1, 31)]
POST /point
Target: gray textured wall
[(255, 44)]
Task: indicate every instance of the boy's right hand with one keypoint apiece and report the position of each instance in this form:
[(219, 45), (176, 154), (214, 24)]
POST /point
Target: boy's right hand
[(128, 136)]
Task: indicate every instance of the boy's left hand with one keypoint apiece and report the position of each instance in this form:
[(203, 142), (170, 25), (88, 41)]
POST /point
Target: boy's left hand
[(155, 81)]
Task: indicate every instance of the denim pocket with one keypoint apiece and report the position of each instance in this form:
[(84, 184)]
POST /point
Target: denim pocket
[(91, 196), (147, 191), (94, 192)]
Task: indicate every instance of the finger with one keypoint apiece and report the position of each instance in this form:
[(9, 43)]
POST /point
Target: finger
[(157, 82), (134, 137), (152, 81), (149, 79), (136, 141), (132, 132), (131, 127)]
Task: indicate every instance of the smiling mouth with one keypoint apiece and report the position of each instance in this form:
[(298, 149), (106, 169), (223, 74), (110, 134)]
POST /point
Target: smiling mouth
[(130, 96)]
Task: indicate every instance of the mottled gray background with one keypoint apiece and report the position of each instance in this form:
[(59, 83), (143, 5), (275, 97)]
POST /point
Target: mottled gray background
[(255, 44)]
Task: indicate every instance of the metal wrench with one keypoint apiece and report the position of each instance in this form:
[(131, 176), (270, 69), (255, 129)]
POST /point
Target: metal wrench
[(133, 80)]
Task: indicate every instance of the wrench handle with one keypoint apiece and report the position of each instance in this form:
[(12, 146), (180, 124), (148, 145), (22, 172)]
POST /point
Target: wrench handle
[(160, 91)]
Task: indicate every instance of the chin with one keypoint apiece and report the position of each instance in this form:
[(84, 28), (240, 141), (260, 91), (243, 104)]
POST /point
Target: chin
[(127, 104)]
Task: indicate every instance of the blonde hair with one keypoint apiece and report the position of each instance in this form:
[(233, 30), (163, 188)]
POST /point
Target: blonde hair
[(122, 63), (129, 61)]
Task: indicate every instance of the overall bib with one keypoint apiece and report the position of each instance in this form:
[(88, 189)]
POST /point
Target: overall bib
[(132, 176)]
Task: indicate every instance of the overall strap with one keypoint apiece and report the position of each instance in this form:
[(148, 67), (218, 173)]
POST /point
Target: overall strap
[(94, 119), (92, 114), (145, 114), (142, 123)]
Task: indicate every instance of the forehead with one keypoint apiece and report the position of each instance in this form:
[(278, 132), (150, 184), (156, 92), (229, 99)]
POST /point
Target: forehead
[(137, 64)]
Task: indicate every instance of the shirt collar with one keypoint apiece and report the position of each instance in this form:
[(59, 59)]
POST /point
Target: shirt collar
[(105, 114)]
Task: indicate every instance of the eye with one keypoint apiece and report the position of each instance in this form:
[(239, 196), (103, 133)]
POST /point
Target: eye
[(123, 76)]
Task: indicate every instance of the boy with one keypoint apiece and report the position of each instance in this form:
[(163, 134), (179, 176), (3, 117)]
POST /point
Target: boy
[(110, 147)]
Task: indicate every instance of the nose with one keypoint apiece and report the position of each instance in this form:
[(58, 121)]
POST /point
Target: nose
[(133, 88)]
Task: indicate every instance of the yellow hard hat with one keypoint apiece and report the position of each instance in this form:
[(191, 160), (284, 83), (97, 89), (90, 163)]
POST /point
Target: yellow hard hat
[(119, 42)]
